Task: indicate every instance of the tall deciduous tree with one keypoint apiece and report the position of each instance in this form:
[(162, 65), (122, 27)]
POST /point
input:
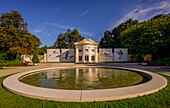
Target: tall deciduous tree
[(68, 39), (152, 36), (112, 38), (106, 41), (14, 36)]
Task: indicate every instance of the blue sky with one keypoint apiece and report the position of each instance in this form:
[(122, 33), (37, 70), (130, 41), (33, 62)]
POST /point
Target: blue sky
[(48, 18)]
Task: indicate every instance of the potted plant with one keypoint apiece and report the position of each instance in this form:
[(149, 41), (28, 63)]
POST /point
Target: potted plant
[(35, 59), (140, 59)]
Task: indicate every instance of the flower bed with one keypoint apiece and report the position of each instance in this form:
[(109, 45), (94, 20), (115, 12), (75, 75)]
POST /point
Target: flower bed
[(12, 63), (160, 62)]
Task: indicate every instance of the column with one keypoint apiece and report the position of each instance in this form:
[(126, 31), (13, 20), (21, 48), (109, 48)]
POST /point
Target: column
[(96, 55), (77, 55), (89, 54), (83, 57), (45, 57)]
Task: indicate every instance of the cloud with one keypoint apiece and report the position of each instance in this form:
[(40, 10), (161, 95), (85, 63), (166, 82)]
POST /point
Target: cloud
[(143, 13), (45, 33), (37, 31), (61, 26), (41, 30), (84, 13), (86, 33)]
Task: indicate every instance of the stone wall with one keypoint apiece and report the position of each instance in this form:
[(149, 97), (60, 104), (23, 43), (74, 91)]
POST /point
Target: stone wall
[(28, 58), (53, 55), (105, 55), (121, 54), (67, 55)]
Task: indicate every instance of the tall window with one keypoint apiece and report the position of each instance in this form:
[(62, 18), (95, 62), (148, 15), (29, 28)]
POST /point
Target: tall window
[(86, 58), (92, 58), (80, 58)]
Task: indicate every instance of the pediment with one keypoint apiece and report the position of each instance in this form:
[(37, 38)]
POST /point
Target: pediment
[(86, 41)]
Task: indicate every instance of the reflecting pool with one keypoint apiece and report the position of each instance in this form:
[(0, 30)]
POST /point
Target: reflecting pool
[(87, 78)]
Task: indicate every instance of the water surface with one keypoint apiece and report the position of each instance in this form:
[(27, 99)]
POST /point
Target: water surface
[(83, 78)]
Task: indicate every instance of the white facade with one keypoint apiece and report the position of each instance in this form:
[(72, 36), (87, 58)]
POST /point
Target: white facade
[(86, 51)]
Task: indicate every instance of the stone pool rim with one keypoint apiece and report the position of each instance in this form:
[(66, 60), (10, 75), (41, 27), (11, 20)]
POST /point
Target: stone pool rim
[(13, 85)]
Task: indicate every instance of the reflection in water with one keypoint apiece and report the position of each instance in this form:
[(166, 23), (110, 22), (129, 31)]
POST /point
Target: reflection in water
[(83, 78)]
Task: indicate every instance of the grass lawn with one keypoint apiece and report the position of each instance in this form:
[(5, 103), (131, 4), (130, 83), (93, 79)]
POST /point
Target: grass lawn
[(160, 99)]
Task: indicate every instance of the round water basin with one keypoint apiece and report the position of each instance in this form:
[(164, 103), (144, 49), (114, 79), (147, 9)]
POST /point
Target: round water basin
[(84, 78)]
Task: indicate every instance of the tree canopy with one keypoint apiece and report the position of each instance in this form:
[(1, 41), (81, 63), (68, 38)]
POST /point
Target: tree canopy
[(67, 39), (152, 36), (112, 39), (14, 36)]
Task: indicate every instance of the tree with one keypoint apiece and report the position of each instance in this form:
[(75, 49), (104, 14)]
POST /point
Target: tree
[(112, 39), (14, 36), (68, 39), (35, 58), (43, 49), (106, 41), (150, 36)]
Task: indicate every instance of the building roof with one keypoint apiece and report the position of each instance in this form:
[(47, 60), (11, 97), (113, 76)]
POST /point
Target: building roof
[(86, 41)]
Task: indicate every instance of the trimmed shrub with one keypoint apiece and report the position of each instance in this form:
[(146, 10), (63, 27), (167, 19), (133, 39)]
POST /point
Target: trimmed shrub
[(35, 58), (18, 57), (140, 58)]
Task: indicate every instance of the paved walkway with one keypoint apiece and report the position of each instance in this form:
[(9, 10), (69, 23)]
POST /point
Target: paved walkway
[(161, 69), (12, 70)]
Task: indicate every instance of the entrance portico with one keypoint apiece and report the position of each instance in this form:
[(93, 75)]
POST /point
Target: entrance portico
[(86, 51)]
